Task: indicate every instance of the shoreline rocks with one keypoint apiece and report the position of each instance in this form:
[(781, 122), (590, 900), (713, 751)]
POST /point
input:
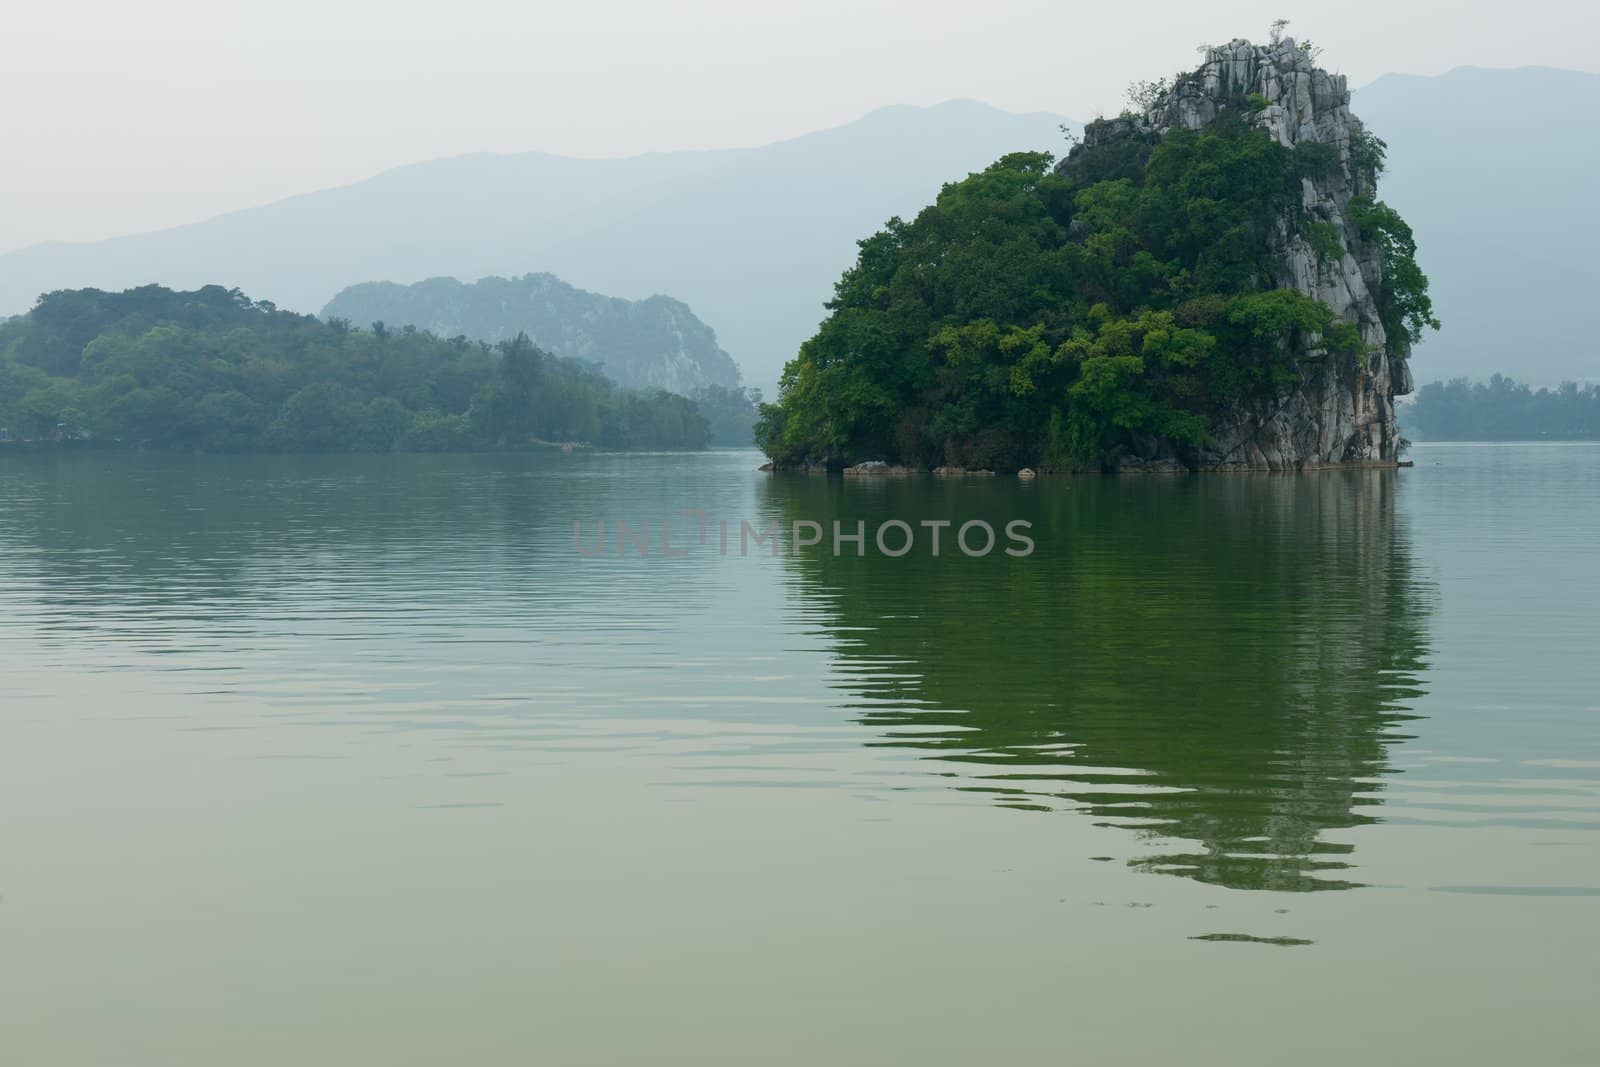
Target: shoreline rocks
[(877, 467)]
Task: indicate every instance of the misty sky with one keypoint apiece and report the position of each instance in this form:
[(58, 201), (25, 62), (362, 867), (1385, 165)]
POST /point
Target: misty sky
[(117, 117)]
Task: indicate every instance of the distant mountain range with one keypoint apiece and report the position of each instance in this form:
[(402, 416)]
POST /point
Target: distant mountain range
[(1493, 168), (752, 239), (638, 343)]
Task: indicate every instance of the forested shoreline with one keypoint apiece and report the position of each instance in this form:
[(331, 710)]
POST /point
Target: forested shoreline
[(212, 370)]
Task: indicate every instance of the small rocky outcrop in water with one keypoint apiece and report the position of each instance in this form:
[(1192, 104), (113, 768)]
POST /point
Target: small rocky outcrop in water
[(1335, 414)]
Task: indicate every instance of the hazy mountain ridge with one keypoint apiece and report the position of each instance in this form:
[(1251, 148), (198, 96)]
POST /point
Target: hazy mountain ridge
[(752, 239), (657, 341), (1491, 168)]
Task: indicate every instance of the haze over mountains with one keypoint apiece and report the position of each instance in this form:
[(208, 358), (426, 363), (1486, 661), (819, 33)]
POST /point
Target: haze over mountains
[(1493, 168), (751, 239), (1495, 172), (657, 342)]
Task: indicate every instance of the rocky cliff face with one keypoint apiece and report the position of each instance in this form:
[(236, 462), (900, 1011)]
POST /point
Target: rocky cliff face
[(638, 343), (1334, 415)]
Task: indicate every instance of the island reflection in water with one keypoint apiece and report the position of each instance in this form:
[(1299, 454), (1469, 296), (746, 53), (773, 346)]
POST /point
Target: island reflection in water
[(1218, 663)]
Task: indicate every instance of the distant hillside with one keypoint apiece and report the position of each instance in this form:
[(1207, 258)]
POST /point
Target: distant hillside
[(752, 239), (1495, 171), (638, 343)]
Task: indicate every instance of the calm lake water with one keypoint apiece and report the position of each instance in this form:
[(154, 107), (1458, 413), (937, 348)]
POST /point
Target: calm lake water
[(356, 760)]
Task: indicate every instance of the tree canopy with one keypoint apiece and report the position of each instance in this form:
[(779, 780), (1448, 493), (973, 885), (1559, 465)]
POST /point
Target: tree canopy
[(213, 370)]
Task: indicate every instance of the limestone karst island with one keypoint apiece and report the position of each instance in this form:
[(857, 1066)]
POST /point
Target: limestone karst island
[(1206, 282)]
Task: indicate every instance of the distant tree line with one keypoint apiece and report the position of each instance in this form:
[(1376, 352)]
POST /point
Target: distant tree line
[(213, 370), (1503, 409)]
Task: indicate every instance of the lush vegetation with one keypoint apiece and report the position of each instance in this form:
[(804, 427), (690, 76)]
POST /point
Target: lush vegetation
[(1053, 317), (213, 370), (1503, 410)]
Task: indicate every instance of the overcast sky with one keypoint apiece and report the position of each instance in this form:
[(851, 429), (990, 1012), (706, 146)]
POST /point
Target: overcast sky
[(118, 116)]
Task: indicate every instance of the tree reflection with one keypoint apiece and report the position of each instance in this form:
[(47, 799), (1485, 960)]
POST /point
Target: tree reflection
[(1217, 663)]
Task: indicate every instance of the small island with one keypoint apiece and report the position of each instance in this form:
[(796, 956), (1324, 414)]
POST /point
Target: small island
[(1206, 282)]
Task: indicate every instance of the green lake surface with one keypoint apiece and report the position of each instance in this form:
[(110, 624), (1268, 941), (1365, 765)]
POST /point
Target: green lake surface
[(359, 760)]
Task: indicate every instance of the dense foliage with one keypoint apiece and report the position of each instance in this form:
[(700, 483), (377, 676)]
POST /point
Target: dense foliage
[(1503, 410), (213, 370), (1051, 317)]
